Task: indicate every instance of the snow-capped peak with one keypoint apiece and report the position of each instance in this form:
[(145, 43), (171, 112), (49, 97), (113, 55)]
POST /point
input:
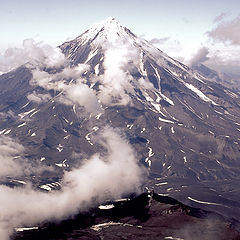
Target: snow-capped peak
[(109, 29)]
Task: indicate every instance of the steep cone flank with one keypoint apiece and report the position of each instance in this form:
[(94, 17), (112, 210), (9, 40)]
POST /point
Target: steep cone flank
[(184, 128)]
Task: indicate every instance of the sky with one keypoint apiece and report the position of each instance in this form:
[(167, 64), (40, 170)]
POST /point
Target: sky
[(187, 30)]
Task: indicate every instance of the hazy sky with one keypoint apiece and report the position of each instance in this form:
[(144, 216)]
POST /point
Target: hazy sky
[(179, 27)]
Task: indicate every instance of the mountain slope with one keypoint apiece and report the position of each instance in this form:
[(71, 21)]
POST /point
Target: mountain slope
[(183, 127)]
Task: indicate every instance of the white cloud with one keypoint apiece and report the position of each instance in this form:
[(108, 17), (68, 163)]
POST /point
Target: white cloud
[(72, 85), (200, 56), (100, 178), (31, 52), (8, 150), (227, 32), (145, 83), (13, 163), (82, 95), (116, 80), (38, 97)]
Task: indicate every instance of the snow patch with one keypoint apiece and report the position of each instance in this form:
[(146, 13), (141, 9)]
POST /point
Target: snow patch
[(96, 69), (59, 147), (105, 207), (63, 164), (98, 116), (21, 125)]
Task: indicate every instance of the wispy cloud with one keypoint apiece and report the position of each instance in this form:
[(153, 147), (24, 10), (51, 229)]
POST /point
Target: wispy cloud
[(31, 52), (8, 150), (159, 41), (70, 83), (220, 17)]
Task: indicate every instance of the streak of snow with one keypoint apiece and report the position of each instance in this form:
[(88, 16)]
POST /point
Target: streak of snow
[(22, 115), (46, 187), (165, 120), (87, 136), (202, 202), (172, 130), (34, 113), (157, 106), (98, 227), (3, 131), (63, 164), (66, 137), (160, 184), (21, 125), (105, 207), (65, 120), (25, 105), (98, 116), (173, 238), (166, 99), (158, 98), (25, 229), (157, 75), (91, 55), (19, 181), (129, 126), (143, 71), (74, 108), (150, 152), (7, 132), (199, 93)]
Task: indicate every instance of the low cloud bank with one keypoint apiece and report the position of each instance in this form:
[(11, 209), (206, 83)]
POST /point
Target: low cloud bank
[(101, 177)]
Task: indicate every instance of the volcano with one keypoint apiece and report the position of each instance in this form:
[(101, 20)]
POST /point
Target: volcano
[(184, 128)]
